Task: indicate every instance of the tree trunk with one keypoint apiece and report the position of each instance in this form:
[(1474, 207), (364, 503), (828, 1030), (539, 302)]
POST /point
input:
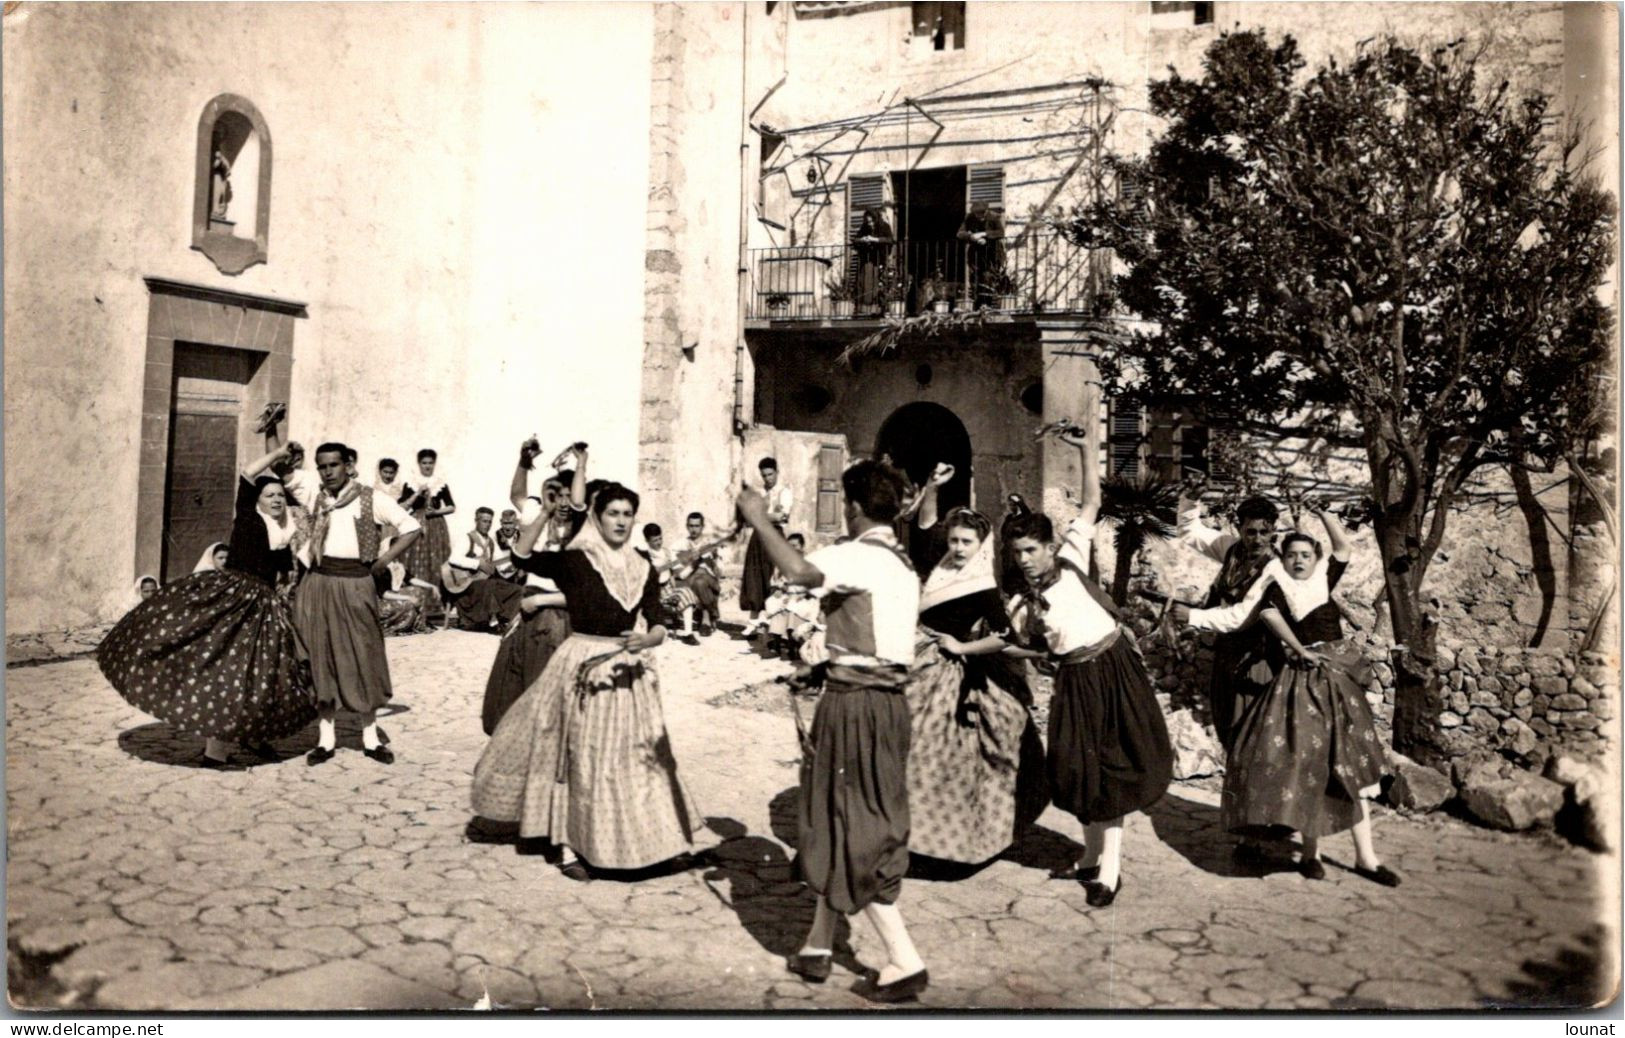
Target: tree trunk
[(1418, 698), (1123, 569)]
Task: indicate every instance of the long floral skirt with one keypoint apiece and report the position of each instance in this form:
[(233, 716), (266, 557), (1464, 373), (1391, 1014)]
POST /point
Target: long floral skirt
[(523, 655), (970, 724), (1109, 753), (213, 654), (583, 759), (1305, 751), (430, 551)]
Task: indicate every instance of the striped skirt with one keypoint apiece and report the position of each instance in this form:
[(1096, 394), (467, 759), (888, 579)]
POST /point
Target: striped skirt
[(583, 759)]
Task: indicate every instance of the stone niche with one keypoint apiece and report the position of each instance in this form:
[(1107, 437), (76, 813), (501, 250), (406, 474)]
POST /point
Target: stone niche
[(231, 207)]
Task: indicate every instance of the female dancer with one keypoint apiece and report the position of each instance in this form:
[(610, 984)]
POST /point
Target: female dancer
[(969, 707), (215, 653), (1108, 744), (543, 623), (428, 498), (583, 758), (1306, 751)]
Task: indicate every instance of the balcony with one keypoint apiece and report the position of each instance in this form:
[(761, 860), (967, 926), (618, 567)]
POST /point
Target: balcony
[(1038, 273)]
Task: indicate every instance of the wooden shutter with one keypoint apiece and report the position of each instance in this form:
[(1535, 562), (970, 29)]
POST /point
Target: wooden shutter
[(829, 518), (1127, 417), (863, 190), (984, 184)]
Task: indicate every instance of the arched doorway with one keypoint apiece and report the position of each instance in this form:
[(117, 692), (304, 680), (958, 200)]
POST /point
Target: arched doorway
[(918, 436)]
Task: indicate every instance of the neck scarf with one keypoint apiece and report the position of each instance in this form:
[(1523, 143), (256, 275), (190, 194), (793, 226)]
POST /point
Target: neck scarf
[(205, 563), (947, 582), (315, 523), (624, 570), (1305, 596), (1237, 574), (1036, 605)]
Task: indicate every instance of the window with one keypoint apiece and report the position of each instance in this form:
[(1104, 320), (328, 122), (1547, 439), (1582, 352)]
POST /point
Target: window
[(941, 23), (1125, 437), (831, 511), (1165, 14)]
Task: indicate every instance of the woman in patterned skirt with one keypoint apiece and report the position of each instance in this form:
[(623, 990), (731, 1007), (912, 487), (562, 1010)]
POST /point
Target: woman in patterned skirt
[(583, 759), (215, 653), (1306, 752), (428, 498), (969, 707)]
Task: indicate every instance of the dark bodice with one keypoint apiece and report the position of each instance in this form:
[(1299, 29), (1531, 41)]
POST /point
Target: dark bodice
[(442, 499), (250, 548), (957, 617), (1323, 623), (593, 610)]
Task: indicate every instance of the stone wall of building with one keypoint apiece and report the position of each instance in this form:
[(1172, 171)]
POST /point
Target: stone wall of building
[(688, 451), (458, 195)]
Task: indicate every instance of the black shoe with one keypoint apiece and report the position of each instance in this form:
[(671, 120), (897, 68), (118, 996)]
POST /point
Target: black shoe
[(1381, 874), (218, 765), (320, 755), (1100, 897), (814, 969), (539, 846), (1085, 874), (264, 751), (484, 830), (383, 755), (578, 871), (897, 991), (1311, 868)]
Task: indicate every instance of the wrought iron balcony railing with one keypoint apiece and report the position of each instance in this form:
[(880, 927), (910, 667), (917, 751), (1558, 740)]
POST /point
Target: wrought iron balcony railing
[(1033, 273)]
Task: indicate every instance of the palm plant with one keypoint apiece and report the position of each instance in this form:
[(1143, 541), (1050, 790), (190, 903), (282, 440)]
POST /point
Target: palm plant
[(1145, 508)]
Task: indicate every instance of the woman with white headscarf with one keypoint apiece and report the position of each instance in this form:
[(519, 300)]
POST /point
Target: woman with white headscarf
[(583, 759), (214, 557), (969, 709)]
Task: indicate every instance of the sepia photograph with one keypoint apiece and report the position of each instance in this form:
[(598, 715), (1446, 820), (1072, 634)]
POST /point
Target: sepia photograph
[(812, 506)]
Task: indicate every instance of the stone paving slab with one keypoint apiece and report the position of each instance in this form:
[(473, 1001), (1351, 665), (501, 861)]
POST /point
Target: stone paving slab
[(138, 880)]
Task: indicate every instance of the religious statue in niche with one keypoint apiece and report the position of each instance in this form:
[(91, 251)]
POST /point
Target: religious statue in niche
[(220, 171)]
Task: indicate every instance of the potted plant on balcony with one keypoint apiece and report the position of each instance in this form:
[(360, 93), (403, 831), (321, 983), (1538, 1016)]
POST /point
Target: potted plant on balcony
[(934, 292), (840, 295), (893, 291), (1004, 286), (778, 303)]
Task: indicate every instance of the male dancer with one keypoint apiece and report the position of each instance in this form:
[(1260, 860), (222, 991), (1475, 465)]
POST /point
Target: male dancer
[(854, 789), (1241, 670), (336, 610)]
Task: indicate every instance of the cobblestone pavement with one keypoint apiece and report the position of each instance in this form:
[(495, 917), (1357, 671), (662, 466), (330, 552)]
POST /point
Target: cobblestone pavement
[(137, 880)]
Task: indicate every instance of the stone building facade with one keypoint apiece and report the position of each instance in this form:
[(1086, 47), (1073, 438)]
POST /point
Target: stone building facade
[(453, 258)]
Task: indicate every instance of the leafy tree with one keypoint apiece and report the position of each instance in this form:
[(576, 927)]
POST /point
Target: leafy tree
[(1386, 254)]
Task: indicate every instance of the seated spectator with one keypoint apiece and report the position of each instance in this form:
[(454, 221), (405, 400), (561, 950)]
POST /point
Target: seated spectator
[(792, 612), (697, 571)]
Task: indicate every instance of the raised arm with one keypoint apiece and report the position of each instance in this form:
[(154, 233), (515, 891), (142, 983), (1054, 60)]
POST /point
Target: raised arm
[(795, 567), (1089, 460), (254, 468), (1335, 534), (519, 486), (578, 485), (1193, 532)]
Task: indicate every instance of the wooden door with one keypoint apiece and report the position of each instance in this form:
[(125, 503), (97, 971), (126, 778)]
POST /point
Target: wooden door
[(831, 514), (200, 487)]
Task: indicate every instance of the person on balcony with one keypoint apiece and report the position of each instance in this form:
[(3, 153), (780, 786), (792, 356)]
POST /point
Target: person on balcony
[(875, 243), (983, 235)]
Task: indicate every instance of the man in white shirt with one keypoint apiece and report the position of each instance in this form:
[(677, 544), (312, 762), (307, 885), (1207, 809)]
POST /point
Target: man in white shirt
[(336, 610), (853, 841)]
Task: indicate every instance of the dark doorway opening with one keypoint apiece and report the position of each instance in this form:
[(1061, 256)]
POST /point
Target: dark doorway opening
[(918, 436), (931, 208)]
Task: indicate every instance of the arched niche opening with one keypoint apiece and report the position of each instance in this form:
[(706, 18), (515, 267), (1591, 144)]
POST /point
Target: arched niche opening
[(231, 212)]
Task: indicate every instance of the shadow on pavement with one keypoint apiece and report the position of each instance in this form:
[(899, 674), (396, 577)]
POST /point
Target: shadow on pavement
[(1192, 829), (158, 743), (1579, 976), (756, 878)]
